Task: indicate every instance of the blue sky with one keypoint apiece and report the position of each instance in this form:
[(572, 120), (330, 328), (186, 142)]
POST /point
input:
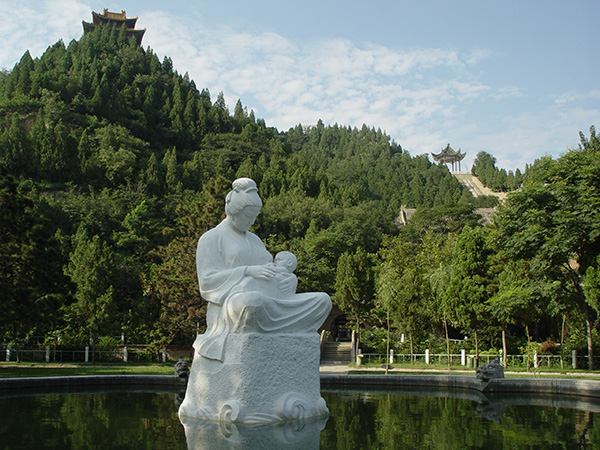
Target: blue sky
[(517, 79)]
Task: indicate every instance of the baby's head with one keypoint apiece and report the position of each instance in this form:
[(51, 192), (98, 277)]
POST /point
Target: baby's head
[(287, 260)]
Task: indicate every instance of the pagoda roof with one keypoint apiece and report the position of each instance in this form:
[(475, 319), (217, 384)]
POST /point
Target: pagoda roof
[(448, 154), (112, 18), (116, 20)]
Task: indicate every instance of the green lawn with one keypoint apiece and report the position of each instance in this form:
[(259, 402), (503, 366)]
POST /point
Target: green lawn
[(12, 370)]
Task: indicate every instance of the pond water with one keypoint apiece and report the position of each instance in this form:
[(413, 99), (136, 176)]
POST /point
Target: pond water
[(358, 420)]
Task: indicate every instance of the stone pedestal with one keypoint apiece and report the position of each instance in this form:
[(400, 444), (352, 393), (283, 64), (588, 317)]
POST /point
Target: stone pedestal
[(265, 378)]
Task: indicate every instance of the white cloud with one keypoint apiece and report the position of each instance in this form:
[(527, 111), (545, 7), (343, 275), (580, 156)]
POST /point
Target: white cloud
[(577, 97), (507, 92), (37, 25), (477, 55)]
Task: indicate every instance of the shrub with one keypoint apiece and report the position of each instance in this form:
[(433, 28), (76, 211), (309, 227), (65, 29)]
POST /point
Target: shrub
[(374, 341), (549, 348), (107, 343)]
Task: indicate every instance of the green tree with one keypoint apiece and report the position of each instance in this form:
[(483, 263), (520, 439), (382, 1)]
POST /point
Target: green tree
[(514, 302), (591, 285), (92, 271), (484, 167), (387, 297), (171, 170), (16, 244), (470, 284), (401, 286), (436, 262), (553, 223), (354, 285)]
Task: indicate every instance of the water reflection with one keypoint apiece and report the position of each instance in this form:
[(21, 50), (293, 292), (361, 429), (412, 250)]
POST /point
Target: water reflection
[(457, 420), (297, 435), (358, 420), (98, 420)]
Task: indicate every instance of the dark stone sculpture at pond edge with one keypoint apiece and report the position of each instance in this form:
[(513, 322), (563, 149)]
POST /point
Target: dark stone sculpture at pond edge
[(490, 371), (181, 368)]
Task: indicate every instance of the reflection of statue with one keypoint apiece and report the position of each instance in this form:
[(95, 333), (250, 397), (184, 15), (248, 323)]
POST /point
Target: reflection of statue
[(295, 435), (253, 314), (491, 410)]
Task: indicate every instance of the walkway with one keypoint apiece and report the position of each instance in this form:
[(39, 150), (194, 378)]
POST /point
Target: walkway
[(339, 368), (343, 369), (472, 183)]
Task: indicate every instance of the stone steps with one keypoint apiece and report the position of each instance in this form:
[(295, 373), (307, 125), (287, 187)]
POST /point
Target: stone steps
[(337, 352), (473, 184)]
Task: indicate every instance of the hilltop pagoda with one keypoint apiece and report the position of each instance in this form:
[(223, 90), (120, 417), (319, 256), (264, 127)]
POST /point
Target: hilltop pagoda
[(449, 155), (116, 20)]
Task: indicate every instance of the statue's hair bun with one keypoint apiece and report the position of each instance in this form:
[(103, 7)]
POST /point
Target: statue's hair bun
[(244, 193), (244, 184)]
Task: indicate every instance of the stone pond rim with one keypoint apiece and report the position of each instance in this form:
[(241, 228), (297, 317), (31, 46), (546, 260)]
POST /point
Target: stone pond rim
[(547, 386)]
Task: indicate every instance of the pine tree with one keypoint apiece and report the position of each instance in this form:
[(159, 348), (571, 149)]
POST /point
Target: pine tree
[(92, 270)]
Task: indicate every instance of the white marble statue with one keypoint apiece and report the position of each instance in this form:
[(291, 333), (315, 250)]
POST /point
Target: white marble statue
[(258, 360)]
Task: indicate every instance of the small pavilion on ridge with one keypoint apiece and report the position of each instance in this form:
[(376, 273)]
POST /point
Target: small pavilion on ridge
[(449, 155)]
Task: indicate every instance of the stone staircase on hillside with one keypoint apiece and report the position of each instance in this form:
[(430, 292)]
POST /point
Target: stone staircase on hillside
[(472, 183), (337, 352)]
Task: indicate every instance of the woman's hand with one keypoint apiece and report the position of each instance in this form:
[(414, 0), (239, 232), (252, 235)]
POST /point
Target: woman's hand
[(265, 272)]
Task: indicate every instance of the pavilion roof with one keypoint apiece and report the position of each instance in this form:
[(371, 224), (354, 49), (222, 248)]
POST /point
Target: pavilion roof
[(449, 154)]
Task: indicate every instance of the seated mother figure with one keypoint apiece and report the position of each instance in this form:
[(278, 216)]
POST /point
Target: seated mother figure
[(229, 259)]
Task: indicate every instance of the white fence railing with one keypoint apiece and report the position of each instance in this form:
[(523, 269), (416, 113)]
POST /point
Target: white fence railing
[(467, 359), (120, 354), (125, 354)]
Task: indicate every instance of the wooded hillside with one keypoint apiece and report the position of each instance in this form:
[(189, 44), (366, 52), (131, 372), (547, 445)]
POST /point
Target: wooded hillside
[(113, 164)]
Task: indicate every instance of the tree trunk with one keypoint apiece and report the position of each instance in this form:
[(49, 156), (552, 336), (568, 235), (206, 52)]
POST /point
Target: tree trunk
[(387, 356), (357, 334), (412, 355), (476, 348), (590, 341), (447, 340), (528, 349), (504, 345), (94, 348), (562, 340)]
